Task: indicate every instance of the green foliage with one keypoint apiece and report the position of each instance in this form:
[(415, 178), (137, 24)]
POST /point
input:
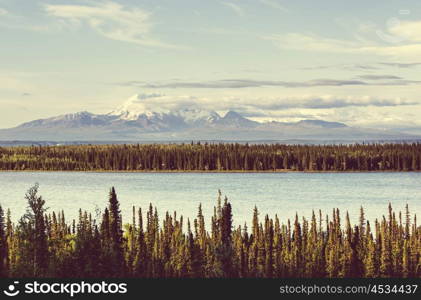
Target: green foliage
[(214, 157), (44, 245)]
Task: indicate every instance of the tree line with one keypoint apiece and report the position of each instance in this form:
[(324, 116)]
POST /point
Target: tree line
[(214, 157), (44, 244)]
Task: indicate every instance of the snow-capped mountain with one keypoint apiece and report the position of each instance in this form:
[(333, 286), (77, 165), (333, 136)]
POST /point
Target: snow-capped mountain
[(134, 108), (197, 117), (235, 120), (138, 113), (80, 119), (141, 120)]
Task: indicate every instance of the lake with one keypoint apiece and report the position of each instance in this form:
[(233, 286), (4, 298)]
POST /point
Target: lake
[(274, 193)]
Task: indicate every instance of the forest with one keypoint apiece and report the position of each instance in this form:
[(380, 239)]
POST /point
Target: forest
[(45, 244), (214, 157)]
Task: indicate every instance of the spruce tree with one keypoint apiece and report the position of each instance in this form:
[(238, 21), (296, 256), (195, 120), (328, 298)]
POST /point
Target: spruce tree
[(35, 223), (116, 234), (3, 246)]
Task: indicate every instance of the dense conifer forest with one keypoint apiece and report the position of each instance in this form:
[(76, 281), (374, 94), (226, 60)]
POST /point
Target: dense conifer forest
[(214, 157), (45, 244)]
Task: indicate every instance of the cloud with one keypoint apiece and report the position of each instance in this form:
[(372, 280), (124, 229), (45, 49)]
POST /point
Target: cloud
[(261, 106), (157, 102), (326, 102), (400, 65), (364, 67), (350, 109), (410, 30), (361, 67), (391, 44), (150, 95), (242, 83), (380, 77), (236, 8), (111, 20), (274, 4), (310, 42), (409, 50), (387, 118), (252, 83)]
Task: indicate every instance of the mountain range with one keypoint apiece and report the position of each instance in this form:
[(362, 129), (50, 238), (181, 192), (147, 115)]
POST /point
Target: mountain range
[(132, 122)]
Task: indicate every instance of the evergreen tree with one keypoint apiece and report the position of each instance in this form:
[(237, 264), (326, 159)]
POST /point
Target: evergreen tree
[(44, 244), (32, 226), (3, 246), (116, 234)]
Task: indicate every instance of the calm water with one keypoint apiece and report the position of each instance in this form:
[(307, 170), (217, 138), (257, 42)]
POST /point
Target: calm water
[(274, 193)]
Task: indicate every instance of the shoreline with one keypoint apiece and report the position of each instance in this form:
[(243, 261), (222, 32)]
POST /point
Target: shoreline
[(199, 171)]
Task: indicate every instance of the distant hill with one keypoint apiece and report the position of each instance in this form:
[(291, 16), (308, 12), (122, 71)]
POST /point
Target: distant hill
[(132, 122)]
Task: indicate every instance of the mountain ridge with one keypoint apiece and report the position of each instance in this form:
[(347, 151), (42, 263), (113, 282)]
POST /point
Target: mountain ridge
[(134, 121), (230, 119)]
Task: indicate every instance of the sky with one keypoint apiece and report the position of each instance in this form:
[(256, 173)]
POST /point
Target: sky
[(356, 62)]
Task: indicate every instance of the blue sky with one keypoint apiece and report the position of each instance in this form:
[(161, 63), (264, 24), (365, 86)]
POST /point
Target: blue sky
[(356, 62)]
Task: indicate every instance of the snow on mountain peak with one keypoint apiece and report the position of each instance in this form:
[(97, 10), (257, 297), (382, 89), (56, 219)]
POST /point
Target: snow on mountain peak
[(136, 106), (194, 115), (152, 106)]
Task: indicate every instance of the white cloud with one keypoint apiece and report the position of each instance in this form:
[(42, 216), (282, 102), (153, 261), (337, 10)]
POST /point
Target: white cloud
[(329, 101), (403, 51), (387, 118), (402, 40), (238, 83), (408, 30), (263, 105), (310, 42), (236, 8), (111, 20), (352, 110)]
